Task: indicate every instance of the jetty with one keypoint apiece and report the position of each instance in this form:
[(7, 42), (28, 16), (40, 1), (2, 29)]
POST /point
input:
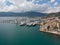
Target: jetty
[(51, 26)]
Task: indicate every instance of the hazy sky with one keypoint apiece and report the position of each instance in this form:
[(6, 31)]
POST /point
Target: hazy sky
[(44, 6)]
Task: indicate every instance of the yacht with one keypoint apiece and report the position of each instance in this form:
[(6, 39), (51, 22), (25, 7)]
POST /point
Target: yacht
[(22, 24), (29, 24)]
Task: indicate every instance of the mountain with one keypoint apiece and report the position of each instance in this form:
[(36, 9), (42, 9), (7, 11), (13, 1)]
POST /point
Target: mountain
[(30, 14), (54, 14)]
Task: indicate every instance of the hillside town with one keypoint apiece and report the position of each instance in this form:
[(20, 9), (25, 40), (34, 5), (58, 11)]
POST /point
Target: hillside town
[(51, 25)]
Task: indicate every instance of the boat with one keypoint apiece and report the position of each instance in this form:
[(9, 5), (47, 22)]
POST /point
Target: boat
[(33, 24), (29, 24), (22, 24)]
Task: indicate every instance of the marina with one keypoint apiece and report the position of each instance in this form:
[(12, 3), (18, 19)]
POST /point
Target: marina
[(22, 21)]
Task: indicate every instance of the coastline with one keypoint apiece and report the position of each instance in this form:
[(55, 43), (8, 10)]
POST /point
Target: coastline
[(51, 32), (51, 26)]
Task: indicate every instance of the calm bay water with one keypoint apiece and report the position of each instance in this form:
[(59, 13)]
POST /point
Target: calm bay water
[(11, 34)]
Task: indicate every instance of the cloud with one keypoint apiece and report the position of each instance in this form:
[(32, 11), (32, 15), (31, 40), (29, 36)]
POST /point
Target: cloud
[(52, 1), (56, 3), (53, 9), (24, 5)]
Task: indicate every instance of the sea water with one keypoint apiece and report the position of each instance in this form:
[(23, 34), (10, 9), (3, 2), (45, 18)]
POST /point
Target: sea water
[(12, 34)]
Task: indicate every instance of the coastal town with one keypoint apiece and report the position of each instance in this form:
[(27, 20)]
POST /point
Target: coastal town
[(51, 25)]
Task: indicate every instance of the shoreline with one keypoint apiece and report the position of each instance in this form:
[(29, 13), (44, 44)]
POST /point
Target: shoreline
[(51, 32)]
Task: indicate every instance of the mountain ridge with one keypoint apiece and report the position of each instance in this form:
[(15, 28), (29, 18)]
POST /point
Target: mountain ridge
[(54, 14), (32, 14)]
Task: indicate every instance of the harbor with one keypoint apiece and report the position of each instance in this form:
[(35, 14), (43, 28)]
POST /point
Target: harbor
[(21, 21), (11, 33), (49, 24)]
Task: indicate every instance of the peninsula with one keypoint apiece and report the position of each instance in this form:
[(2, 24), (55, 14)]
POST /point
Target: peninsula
[(51, 25)]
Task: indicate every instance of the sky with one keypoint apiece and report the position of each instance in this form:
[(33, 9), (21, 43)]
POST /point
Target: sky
[(43, 6)]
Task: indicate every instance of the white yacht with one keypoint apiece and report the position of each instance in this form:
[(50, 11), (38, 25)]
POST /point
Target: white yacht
[(29, 24), (22, 24)]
